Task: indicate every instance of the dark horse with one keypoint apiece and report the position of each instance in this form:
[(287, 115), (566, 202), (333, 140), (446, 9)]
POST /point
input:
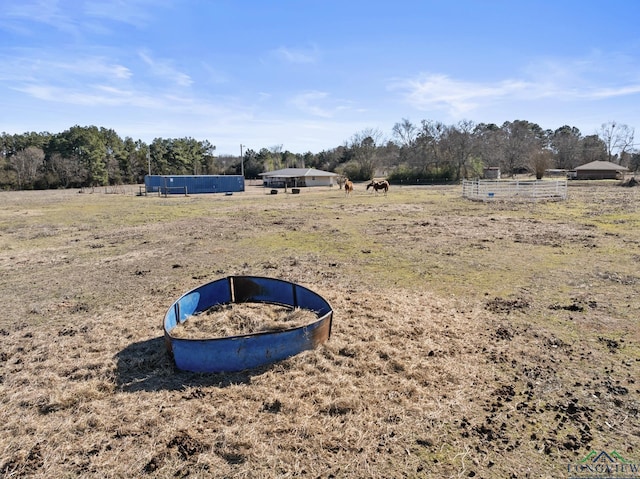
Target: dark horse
[(379, 185)]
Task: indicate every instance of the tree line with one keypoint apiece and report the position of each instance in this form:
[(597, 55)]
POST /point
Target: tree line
[(428, 151)]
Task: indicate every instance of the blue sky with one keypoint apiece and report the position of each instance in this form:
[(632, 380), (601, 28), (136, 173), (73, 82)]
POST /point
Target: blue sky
[(310, 74)]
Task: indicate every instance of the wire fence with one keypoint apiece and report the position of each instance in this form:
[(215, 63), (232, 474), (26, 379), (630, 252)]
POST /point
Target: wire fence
[(491, 190)]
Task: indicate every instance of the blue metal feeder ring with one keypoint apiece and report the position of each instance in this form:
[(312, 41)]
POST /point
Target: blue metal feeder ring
[(247, 351)]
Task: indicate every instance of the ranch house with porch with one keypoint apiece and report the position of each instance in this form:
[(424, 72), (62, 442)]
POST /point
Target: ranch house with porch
[(298, 177)]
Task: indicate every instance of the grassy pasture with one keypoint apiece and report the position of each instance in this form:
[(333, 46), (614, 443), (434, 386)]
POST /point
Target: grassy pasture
[(470, 339)]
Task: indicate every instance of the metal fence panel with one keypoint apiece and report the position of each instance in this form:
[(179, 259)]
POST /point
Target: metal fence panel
[(527, 190)]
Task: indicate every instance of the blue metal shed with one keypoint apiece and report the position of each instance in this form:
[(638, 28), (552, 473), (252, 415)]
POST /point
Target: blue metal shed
[(193, 184)]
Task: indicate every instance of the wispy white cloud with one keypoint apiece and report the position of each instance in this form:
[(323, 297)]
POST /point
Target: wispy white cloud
[(94, 81), (308, 103), (78, 16), (296, 55), (165, 70), (134, 101), (214, 75), (612, 92), (133, 12), (318, 104), (596, 76), (20, 16), (459, 97), (43, 66), (88, 67), (90, 95), (441, 92)]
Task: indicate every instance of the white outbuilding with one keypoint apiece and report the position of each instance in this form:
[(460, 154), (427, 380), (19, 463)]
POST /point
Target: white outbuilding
[(298, 177)]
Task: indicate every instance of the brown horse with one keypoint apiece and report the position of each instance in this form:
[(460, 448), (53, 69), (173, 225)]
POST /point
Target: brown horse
[(379, 185), (348, 187)]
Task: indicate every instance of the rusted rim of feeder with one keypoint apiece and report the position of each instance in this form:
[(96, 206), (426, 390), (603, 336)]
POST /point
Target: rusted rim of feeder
[(246, 351)]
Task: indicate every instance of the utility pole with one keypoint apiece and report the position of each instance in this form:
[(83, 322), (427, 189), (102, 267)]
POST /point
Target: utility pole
[(241, 161)]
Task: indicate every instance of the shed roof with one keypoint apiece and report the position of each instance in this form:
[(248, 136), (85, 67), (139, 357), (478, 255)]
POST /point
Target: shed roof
[(297, 173), (601, 166)]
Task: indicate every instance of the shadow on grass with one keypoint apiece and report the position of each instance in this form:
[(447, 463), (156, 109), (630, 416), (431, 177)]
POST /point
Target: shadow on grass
[(147, 366)]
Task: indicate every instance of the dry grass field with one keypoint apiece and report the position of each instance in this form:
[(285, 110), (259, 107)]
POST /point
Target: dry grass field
[(487, 340)]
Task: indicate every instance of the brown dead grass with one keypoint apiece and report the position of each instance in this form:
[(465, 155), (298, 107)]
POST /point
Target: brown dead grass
[(236, 319), (469, 340)]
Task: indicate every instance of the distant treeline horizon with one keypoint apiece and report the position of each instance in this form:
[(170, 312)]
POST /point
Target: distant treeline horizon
[(84, 156)]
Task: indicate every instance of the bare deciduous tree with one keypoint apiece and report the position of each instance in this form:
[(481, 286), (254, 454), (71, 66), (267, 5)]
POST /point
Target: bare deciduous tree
[(521, 141), (461, 141), (541, 161), (617, 138), (26, 163), (69, 171), (364, 146), (406, 133)]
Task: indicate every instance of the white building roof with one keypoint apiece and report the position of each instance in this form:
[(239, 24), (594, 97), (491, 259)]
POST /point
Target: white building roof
[(296, 173)]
